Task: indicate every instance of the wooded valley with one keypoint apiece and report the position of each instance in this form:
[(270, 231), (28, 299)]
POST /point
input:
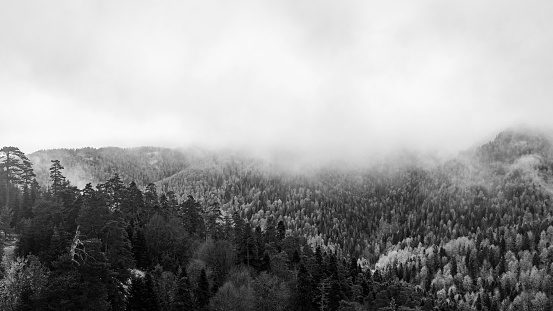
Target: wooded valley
[(165, 229)]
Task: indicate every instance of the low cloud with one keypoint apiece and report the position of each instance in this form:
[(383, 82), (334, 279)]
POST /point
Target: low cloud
[(326, 80)]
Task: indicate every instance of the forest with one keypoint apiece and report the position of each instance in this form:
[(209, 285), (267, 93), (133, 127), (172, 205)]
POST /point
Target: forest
[(164, 229)]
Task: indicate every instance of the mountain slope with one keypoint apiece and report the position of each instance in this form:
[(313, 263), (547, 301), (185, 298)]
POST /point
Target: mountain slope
[(474, 232), (143, 165), (377, 207)]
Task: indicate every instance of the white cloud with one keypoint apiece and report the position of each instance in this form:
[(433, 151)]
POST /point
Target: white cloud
[(350, 76)]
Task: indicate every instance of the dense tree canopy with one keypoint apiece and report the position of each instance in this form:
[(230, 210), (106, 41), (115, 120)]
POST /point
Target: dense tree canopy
[(227, 232)]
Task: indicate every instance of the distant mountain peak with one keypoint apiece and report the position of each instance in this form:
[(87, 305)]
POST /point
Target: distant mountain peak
[(511, 144)]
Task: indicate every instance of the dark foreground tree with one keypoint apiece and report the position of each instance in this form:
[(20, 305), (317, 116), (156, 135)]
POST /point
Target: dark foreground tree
[(17, 169), (184, 299), (142, 295)]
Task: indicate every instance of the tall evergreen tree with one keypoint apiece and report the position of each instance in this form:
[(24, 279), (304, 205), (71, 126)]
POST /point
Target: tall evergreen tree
[(190, 211), (140, 250), (56, 177), (115, 192), (202, 291), (17, 168), (151, 200), (142, 295), (238, 227), (133, 205), (281, 230), (184, 299), (304, 296), (78, 280), (35, 191), (119, 254), (246, 248)]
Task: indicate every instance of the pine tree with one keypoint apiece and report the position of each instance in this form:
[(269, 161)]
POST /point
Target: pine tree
[(202, 291), (142, 296), (17, 167), (152, 301), (57, 246), (319, 268), (140, 250), (246, 254), (184, 299), (28, 175), (151, 200), (453, 268), (266, 262), (133, 205), (190, 211), (26, 210), (115, 192), (323, 295), (259, 248), (119, 254), (94, 213), (296, 258), (35, 191), (304, 296), (6, 216), (211, 216), (238, 227), (269, 235), (353, 269), (58, 180), (281, 230), (78, 279), (334, 295)]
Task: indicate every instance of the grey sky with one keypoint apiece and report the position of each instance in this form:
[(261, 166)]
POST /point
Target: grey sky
[(314, 76)]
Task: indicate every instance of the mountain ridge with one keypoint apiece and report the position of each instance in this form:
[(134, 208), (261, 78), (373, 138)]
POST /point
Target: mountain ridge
[(512, 148)]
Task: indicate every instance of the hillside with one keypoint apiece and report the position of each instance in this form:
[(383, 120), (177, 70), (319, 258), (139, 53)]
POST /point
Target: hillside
[(374, 205), (471, 232), (143, 165)]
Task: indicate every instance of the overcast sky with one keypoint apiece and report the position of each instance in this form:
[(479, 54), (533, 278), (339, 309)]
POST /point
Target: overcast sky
[(313, 76)]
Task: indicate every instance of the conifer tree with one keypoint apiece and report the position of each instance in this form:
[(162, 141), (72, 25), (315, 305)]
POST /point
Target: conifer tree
[(133, 205), (184, 298), (115, 192), (26, 205), (246, 248), (202, 291), (281, 230), (270, 232), (190, 211), (140, 250), (323, 295), (151, 200), (78, 280), (142, 295), (304, 296), (238, 227), (17, 167), (266, 262), (35, 191), (56, 177), (119, 255), (453, 268)]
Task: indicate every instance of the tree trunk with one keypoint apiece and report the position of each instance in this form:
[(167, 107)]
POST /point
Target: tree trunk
[(7, 177)]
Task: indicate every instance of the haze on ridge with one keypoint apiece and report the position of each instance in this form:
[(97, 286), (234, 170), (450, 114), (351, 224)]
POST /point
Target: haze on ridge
[(290, 79)]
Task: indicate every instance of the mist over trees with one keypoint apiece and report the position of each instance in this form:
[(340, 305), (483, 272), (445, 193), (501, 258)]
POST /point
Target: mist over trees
[(229, 232)]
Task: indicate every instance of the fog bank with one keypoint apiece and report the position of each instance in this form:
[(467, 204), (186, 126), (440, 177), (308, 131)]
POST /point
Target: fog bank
[(322, 80)]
